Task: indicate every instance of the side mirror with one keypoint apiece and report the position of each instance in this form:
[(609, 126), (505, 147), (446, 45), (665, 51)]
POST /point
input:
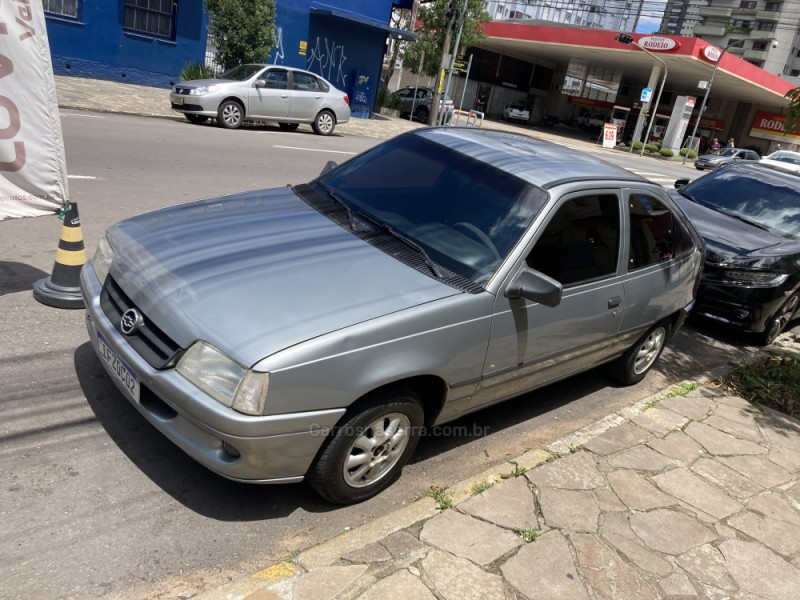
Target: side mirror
[(679, 183), (260, 83), (329, 166), (536, 287)]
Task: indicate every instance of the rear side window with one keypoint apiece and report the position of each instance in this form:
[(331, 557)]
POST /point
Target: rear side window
[(656, 234), (305, 82), (581, 241)]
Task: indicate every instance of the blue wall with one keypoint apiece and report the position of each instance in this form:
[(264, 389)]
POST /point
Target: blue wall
[(347, 53), (96, 46)]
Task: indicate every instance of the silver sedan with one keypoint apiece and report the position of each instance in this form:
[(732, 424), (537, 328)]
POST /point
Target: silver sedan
[(256, 92)]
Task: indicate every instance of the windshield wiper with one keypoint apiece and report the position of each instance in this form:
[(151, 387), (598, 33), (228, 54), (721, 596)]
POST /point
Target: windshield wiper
[(407, 241), (338, 200)]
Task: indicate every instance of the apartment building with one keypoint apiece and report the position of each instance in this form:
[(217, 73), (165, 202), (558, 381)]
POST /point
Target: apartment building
[(681, 17), (616, 15)]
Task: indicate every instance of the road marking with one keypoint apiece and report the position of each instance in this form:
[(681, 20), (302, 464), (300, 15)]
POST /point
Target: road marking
[(314, 150), (82, 177), (72, 114)]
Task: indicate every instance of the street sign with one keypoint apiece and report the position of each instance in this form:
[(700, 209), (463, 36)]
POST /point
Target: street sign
[(647, 94), (460, 65)]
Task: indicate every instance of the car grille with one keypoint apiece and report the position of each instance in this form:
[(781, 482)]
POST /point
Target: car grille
[(149, 341), (187, 107), (182, 91)]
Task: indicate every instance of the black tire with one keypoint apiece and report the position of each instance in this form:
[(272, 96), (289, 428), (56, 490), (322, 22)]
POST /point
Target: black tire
[(699, 168), (324, 123), (230, 115), (196, 119), (631, 367), (397, 410), (422, 114), (289, 126), (777, 323)]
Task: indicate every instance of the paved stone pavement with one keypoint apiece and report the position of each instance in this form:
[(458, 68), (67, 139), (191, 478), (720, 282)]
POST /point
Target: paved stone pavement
[(683, 495), (678, 496)]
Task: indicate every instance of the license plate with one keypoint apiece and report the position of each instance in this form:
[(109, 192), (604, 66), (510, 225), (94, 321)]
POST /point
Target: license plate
[(178, 100), (119, 369)]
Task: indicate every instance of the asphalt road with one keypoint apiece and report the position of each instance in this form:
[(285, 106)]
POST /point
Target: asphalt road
[(95, 502)]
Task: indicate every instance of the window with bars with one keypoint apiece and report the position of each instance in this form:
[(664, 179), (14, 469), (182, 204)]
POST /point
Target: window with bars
[(62, 8), (151, 17)]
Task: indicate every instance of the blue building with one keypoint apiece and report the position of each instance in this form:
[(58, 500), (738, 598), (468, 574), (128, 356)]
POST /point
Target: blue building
[(148, 42)]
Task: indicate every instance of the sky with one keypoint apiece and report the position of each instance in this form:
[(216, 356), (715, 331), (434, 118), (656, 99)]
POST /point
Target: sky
[(649, 24)]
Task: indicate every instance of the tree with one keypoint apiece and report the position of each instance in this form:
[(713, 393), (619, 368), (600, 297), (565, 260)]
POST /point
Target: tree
[(432, 31), (792, 122), (243, 30)]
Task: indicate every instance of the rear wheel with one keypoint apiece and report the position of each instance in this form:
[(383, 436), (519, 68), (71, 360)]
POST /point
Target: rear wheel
[(288, 126), (230, 115), (367, 450), (779, 320), (196, 119), (324, 123), (632, 366)]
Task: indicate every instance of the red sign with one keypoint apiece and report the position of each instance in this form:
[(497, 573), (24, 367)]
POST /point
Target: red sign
[(712, 53), (770, 126), (589, 102)]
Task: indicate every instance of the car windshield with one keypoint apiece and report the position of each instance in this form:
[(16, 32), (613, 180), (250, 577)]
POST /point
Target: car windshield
[(242, 72), (725, 152), (465, 213), (764, 197)]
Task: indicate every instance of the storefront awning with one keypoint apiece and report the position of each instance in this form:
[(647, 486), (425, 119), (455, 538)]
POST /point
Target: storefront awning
[(317, 8)]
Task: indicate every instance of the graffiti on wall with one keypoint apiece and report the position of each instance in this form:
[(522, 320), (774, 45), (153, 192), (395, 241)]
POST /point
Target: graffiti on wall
[(327, 59), (279, 46)]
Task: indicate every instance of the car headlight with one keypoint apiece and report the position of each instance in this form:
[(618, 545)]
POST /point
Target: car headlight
[(203, 90), (102, 259), (224, 379), (754, 278)]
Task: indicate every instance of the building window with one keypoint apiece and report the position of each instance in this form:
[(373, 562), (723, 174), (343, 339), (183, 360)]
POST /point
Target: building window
[(795, 72), (152, 17), (773, 6), (62, 8), (766, 26), (747, 4)]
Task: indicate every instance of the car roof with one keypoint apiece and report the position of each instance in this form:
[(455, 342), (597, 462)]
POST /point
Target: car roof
[(759, 168), (536, 161)]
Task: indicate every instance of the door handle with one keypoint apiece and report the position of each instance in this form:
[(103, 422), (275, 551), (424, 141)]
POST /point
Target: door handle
[(284, 95), (614, 302)]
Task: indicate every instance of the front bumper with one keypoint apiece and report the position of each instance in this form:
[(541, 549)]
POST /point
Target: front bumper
[(199, 105), (271, 449), (745, 308)]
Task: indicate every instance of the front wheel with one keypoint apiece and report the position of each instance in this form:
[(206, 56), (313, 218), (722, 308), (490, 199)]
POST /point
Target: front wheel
[(230, 115), (367, 450), (422, 114), (632, 366), (196, 119), (778, 322), (324, 123)]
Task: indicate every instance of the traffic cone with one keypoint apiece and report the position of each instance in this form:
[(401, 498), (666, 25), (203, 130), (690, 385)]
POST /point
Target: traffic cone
[(62, 289)]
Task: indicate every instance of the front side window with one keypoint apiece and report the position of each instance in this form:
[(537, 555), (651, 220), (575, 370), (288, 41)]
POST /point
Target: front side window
[(276, 79), (62, 8), (656, 234), (151, 17), (581, 241)]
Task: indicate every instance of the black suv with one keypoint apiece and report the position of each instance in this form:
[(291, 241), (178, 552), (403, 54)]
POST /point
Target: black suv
[(749, 216)]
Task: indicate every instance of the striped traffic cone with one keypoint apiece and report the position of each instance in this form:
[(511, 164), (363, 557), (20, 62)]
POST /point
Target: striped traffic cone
[(62, 289)]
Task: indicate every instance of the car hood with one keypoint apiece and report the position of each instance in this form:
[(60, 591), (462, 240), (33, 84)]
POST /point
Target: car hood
[(195, 83), (729, 240), (258, 272)]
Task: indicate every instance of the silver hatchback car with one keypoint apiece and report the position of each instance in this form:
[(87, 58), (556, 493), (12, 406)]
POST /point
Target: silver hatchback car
[(315, 331), (255, 92)]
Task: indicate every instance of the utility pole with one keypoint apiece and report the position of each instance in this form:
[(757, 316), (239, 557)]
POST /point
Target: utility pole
[(446, 63), (461, 18)]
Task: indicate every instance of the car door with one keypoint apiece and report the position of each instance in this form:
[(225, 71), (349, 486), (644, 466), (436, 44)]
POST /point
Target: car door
[(532, 344), (269, 96), (659, 272), (307, 96)]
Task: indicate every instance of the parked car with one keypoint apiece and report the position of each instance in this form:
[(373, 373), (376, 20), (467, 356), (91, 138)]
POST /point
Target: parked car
[(724, 156), (254, 92), (516, 111), (312, 331), (419, 100), (749, 217), (784, 159)]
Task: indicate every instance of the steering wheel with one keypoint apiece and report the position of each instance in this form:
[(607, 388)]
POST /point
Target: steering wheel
[(482, 237)]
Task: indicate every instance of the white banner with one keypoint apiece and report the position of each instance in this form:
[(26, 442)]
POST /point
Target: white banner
[(33, 170)]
